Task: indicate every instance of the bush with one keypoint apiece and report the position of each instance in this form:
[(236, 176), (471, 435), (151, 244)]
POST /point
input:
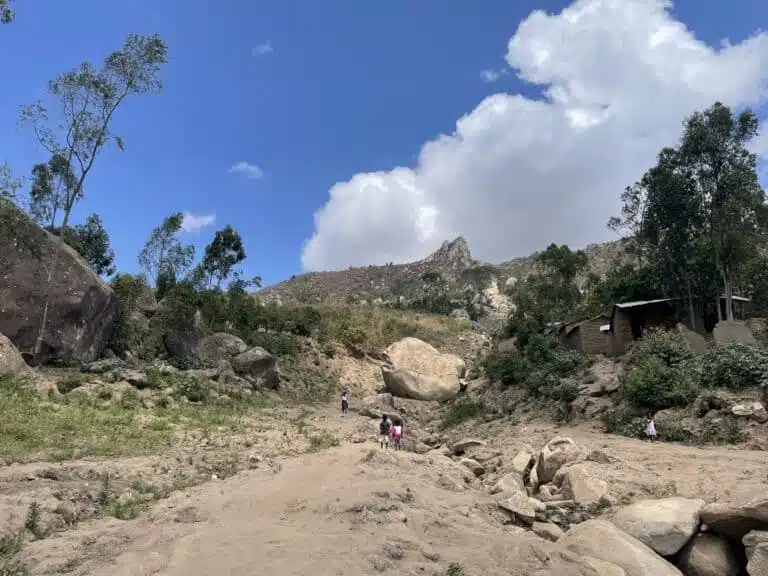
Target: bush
[(735, 366), (506, 368), (463, 410), (661, 372)]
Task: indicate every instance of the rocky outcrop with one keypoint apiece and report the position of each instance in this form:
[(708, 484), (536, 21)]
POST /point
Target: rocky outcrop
[(82, 308), (419, 372), (756, 548), (664, 525), (183, 337)]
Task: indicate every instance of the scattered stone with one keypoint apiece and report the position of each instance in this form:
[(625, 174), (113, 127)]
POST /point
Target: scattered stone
[(603, 541), (752, 410), (473, 465), (523, 460), (509, 483), (547, 531), (519, 507), (709, 555), (375, 405), (664, 525), (136, 379), (460, 447), (558, 452), (756, 547), (582, 488), (600, 457)]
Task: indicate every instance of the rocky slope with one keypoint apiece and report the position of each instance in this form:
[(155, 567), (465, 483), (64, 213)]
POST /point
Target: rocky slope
[(381, 284)]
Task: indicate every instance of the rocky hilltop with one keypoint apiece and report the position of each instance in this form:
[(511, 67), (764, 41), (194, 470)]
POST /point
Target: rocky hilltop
[(453, 262)]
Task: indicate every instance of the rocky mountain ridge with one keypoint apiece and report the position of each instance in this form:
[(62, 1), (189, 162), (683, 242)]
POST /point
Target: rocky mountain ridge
[(453, 262)]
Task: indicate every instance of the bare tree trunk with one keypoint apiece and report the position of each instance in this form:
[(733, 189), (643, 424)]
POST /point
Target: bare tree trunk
[(728, 295), (691, 314), (46, 300)]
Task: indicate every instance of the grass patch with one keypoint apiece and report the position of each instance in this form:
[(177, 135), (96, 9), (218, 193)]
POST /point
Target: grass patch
[(323, 441), (32, 428), (456, 570), (462, 411), (72, 381)]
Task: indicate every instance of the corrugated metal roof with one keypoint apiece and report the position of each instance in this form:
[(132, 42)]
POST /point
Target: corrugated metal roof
[(644, 302)]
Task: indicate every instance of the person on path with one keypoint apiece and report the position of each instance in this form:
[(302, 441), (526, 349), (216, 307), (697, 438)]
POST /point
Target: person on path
[(397, 434), (344, 402), (385, 426), (650, 428)]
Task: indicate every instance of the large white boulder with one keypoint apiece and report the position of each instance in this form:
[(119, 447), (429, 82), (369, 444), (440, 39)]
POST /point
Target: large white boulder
[(665, 525), (558, 452), (603, 541), (420, 372)]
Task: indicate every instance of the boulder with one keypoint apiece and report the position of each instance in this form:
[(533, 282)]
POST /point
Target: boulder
[(603, 541), (548, 531), (558, 452), (519, 507), (735, 520), (709, 555), (522, 460), (220, 346), (473, 465), (418, 371), (508, 484), (81, 307), (665, 525), (376, 405), (756, 548), (752, 410), (582, 488), (460, 447), (258, 364), (182, 338), (460, 314), (11, 362)]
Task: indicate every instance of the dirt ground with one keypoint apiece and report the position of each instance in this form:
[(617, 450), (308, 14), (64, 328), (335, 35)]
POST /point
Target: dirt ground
[(350, 509)]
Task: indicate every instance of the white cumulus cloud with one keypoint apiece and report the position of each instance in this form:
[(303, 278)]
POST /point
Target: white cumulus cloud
[(263, 49), (619, 76), (490, 76), (250, 171), (196, 222)]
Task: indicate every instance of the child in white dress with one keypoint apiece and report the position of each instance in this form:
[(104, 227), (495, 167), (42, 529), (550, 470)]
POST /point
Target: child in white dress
[(650, 428)]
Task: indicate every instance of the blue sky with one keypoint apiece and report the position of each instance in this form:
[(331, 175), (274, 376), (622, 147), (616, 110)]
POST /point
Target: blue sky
[(347, 86)]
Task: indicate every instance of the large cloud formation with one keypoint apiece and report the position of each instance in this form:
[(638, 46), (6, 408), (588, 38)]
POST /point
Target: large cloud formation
[(619, 76)]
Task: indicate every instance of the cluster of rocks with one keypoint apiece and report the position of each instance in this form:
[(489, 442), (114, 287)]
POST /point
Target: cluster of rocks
[(552, 493)]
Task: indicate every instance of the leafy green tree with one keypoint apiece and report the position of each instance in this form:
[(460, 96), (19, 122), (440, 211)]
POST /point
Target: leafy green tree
[(164, 258), (91, 241), (6, 14), (88, 99), (223, 253), (50, 180), (9, 185), (699, 215)]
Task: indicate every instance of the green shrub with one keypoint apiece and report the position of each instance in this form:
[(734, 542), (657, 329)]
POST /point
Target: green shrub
[(506, 368), (71, 381), (462, 411), (735, 366), (276, 344), (661, 372)]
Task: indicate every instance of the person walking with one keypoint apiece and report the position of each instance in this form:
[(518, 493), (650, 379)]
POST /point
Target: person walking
[(344, 402), (397, 434), (385, 426)]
